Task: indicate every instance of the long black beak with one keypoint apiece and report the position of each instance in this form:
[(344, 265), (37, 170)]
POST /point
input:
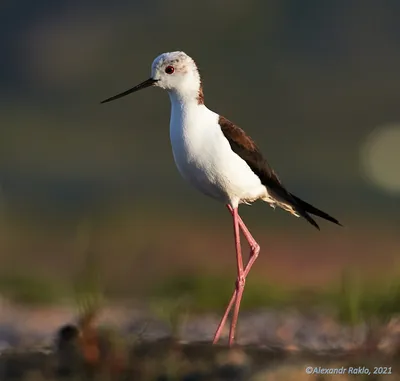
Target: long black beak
[(140, 86)]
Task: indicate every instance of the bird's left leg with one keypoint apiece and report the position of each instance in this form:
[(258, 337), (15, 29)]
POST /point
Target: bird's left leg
[(255, 249), (240, 282)]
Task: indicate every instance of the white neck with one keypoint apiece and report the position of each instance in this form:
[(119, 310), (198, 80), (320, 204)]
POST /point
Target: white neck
[(187, 116), (181, 106), (185, 98)]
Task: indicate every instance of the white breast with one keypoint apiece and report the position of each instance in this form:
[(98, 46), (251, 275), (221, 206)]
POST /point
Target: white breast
[(205, 159)]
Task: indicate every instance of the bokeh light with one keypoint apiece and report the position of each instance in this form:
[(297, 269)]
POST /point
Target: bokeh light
[(380, 157)]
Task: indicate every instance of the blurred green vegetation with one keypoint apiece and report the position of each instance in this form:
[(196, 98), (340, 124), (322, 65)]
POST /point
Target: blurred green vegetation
[(31, 290), (351, 301), (204, 292)]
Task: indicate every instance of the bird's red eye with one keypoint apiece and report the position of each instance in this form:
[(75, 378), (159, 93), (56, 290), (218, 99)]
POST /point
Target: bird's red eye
[(169, 69)]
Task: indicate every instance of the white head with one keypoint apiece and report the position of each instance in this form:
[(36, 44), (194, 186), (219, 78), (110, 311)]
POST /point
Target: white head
[(175, 72)]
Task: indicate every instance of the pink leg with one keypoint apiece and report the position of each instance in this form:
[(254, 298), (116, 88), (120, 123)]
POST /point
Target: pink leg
[(255, 249), (241, 279)]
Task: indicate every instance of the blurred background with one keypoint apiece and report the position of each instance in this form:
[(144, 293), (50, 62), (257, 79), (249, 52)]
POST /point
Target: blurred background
[(90, 186)]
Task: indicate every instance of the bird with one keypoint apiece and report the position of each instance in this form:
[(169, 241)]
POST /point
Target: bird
[(219, 159)]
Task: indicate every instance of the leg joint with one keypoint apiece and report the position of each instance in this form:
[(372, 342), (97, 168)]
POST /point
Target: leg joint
[(255, 249)]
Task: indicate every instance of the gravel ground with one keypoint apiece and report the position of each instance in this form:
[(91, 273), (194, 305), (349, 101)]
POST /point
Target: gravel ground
[(131, 344), (167, 360)]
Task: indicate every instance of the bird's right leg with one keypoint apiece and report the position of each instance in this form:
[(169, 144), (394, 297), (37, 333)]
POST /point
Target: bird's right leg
[(254, 251)]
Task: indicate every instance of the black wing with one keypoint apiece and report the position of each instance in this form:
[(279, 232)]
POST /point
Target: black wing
[(245, 147)]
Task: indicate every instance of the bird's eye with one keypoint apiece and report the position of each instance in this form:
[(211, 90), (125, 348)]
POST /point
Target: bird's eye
[(169, 69)]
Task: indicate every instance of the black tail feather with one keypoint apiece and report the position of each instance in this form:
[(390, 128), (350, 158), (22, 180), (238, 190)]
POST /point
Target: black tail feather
[(308, 218), (313, 210)]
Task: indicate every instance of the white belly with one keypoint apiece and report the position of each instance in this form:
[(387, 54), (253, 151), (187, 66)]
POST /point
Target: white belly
[(204, 158), (197, 170)]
